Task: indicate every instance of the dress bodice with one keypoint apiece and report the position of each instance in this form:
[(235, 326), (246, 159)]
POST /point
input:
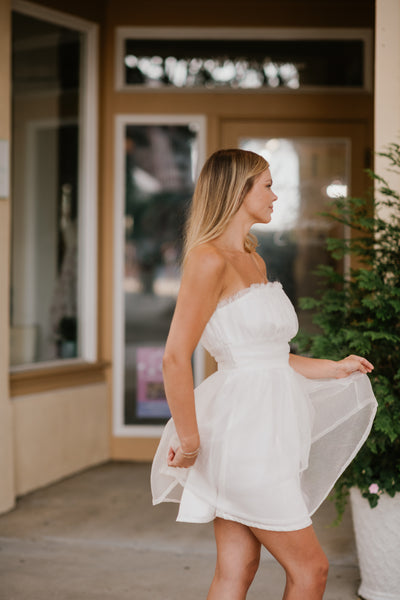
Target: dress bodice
[(255, 325)]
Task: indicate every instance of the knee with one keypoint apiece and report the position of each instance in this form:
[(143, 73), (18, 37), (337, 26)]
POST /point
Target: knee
[(250, 570), (317, 572), (320, 570), (240, 574), (312, 575)]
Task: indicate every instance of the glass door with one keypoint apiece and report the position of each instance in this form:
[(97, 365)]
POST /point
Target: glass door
[(158, 161), (311, 164)]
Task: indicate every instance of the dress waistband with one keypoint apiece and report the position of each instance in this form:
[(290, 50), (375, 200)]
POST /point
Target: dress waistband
[(265, 355)]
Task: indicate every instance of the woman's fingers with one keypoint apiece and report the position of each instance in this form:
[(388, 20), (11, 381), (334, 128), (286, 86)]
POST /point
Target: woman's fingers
[(363, 361), (369, 365), (176, 459), (353, 363), (359, 363)]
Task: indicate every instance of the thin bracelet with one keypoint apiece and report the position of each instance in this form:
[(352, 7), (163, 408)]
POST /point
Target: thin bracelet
[(191, 454)]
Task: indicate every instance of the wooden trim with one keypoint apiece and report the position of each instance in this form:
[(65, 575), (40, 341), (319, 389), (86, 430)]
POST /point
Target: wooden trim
[(259, 13), (289, 107), (52, 378), (59, 17)]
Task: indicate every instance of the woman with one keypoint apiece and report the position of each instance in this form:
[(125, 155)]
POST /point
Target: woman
[(259, 444)]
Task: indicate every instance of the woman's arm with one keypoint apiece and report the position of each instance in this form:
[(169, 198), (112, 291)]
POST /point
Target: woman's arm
[(200, 289), (320, 368)]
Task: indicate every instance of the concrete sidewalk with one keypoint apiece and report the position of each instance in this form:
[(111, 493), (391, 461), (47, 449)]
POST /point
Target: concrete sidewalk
[(96, 536)]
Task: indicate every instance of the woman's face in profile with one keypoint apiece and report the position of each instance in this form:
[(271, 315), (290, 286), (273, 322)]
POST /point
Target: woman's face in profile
[(258, 203)]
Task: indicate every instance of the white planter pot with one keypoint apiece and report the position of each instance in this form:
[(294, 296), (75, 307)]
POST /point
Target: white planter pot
[(377, 532)]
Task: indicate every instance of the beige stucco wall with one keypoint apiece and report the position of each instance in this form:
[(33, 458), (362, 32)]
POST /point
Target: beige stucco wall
[(6, 441), (48, 435), (387, 84), (58, 433)]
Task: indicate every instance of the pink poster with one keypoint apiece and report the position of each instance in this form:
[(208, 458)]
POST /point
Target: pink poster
[(151, 401)]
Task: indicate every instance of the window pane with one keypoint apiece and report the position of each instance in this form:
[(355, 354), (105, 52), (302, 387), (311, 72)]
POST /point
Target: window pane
[(160, 167), (307, 173), (244, 64), (46, 99)]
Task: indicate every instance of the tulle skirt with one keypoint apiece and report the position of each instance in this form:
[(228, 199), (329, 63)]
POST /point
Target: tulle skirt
[(273, 443)]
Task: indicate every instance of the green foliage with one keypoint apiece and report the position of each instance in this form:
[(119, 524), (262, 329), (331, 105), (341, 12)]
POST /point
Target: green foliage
[(359, 313)]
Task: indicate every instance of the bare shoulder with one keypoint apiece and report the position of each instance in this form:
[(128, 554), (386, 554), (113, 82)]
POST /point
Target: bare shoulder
[(206, 260), (200, 289)]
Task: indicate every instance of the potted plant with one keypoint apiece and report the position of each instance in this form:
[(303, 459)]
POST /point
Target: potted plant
[(358, 312)]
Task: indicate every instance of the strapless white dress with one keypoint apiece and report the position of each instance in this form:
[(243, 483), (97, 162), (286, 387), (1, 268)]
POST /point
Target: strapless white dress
[(273, 442)]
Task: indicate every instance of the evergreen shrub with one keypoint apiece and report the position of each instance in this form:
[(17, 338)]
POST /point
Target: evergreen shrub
[(358, 312)]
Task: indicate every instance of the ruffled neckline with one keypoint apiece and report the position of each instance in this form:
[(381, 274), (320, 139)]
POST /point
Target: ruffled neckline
[(245, 291)]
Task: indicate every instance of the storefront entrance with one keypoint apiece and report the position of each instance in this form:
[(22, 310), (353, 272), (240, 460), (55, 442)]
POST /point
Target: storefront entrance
[(317, 142)]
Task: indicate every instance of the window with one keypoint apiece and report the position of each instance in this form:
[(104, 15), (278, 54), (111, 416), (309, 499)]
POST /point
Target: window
[(243, 60), (158, 158), (307, 174), (53, 273)]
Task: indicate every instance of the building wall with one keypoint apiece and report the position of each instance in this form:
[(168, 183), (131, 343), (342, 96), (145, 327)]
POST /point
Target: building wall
[(53, 423), (387, 85), (58, 433), (46, 434), (92, 10), (235, 13)]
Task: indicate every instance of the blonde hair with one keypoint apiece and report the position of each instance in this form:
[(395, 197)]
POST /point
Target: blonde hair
[(225, 179)]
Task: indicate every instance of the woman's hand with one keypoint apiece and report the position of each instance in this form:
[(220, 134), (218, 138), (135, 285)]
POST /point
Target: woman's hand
[(176, 459), (352, 363)]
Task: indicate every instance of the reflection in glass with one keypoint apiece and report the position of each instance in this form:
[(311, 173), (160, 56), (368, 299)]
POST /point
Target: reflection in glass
[(243, 64), (46, 99), (306, 173), (159, 183)]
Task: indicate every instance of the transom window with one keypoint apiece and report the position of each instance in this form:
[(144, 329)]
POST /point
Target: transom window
[(255, 62)]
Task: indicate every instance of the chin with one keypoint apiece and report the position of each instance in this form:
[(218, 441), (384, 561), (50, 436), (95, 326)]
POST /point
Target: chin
[(263, 220)]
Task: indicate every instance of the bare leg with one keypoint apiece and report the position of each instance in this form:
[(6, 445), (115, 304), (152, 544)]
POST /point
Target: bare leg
[(238, 556), (303, 559)]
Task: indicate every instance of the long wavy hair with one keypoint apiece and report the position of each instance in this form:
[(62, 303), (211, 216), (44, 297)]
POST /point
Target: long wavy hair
[(225, 179)]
